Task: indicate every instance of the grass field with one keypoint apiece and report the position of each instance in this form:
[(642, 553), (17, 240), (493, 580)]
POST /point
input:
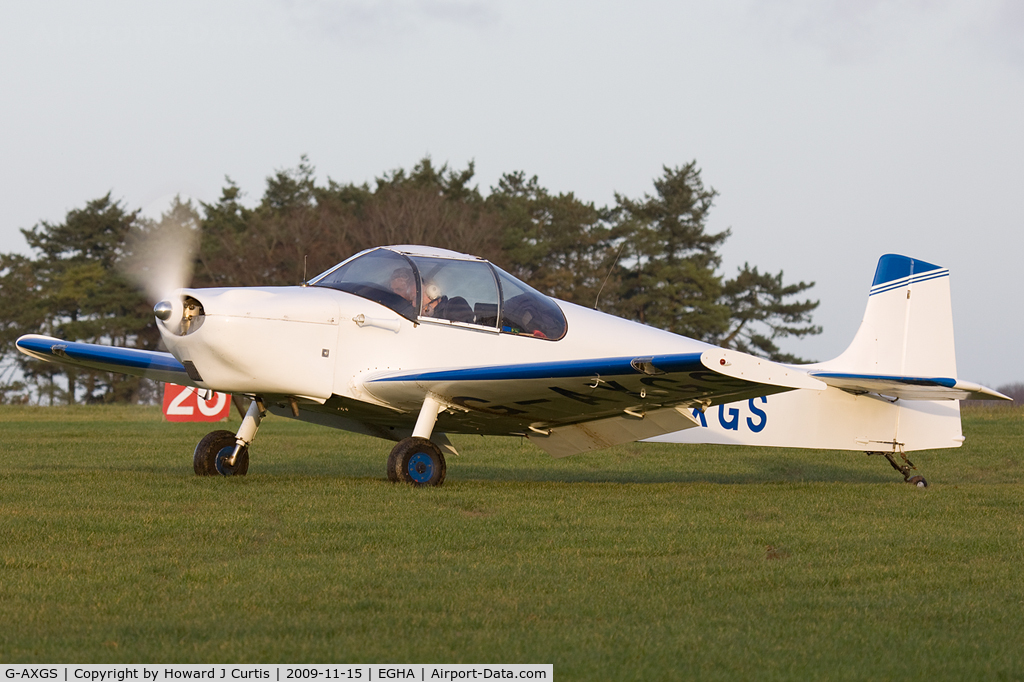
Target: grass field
[(642, 562)]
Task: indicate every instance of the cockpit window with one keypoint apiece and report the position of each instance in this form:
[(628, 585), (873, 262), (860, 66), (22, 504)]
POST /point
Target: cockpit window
[(526, 311), (382, 276), (458, 291)]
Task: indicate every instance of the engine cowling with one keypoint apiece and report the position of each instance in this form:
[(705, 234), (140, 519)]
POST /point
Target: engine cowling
[(260, 340)]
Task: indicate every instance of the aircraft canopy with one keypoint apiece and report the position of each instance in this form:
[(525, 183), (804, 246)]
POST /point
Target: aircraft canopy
[(439, 286)]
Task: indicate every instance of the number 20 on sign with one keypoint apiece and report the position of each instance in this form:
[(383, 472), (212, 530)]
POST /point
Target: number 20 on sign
[(188, 404)]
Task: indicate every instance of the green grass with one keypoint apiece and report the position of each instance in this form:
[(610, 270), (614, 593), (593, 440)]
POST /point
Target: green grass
[(642, 562)]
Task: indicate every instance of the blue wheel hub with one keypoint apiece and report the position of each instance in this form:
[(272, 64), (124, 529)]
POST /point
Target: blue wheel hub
[(221, 461), (420, 468)]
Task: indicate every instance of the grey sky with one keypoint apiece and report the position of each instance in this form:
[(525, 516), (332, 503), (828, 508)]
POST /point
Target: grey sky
[(834, 131)]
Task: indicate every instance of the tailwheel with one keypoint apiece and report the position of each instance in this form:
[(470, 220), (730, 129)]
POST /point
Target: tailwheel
[(416, 461), (905, 468), (213, 456)]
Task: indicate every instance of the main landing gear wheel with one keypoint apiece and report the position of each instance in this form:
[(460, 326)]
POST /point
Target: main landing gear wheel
[(416, 461), (918, 481), (214, 451)]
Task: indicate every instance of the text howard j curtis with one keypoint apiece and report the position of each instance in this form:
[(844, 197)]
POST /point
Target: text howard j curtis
[(169, 674)]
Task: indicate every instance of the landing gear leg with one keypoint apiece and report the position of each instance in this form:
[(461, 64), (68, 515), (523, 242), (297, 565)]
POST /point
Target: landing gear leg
[(226, 453), (905, 468)]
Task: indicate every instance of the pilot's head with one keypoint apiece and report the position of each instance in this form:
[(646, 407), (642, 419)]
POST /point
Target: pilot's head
[(403, 283)]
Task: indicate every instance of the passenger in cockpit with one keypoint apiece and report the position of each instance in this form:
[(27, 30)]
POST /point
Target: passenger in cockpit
[(439, 306), (432, 298)]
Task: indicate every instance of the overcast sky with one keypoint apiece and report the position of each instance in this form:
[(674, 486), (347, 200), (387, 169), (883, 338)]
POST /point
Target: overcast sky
[(834, 130)]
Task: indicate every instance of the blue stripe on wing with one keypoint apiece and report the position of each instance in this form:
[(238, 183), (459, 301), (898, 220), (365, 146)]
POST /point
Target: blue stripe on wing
[(679, 362), (126, 359)]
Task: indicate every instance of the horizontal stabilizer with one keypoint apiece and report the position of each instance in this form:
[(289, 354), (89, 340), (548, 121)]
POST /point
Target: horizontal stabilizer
[(909, 388)]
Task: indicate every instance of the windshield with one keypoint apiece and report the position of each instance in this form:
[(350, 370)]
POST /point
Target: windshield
[(455, 291), (382, 276)]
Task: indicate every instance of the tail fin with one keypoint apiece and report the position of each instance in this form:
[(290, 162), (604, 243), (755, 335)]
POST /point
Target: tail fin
[(904, 347), (908, 324), (894, 388)]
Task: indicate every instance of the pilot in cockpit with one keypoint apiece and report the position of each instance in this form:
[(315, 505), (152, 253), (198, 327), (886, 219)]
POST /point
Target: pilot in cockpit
[(403, 283)]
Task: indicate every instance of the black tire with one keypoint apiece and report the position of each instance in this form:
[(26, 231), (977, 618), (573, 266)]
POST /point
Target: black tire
[(213, 451), (393, 465), (418, 462), (918, 481)]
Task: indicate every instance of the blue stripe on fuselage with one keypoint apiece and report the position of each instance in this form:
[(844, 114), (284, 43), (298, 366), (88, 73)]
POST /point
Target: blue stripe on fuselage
[(682, 362)]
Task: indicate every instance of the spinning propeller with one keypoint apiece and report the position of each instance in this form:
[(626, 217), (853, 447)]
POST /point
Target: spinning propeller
[(160, 260)]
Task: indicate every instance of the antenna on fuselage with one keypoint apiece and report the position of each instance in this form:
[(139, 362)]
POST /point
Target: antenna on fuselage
[(614, 263), (304, 259)]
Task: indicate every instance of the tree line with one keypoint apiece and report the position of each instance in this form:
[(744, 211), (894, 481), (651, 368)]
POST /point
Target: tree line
[(650, 259)]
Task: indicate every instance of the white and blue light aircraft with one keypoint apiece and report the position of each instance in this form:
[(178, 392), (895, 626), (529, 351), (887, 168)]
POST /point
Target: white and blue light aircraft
[(413, 343)]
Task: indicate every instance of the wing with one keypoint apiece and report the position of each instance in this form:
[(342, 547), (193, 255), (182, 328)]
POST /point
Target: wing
[(909, 388), (574, 406), (141, 363)]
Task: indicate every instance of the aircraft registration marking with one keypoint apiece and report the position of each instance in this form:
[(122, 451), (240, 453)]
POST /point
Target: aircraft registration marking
[(729, 417)]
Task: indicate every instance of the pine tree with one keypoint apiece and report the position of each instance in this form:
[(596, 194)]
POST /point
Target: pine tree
[(667, 268), (80, 294)]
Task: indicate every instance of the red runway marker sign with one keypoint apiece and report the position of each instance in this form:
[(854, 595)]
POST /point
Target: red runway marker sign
[(188, 404)]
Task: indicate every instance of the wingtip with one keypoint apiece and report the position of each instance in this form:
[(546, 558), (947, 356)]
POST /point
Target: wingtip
[(979, 392), (35, 342)]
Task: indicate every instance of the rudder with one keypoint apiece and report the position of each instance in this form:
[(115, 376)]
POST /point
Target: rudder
[(907, 328)]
